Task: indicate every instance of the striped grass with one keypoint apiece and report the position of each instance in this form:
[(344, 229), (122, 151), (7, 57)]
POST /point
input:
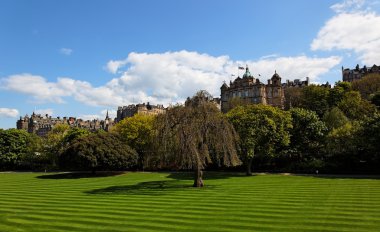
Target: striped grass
[(167, 202)]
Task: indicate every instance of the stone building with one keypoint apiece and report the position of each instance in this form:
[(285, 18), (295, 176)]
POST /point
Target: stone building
[(251, 90), (130, 110), (41, 125), (358, 73)]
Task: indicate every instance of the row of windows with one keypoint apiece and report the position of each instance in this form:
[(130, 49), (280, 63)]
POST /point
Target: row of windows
[(250, 93)]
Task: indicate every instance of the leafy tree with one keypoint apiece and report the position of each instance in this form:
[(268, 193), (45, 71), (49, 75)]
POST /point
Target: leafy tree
[(99, 151), (74, 133), (354, 107), (335, 118), (138, 132), (368, 85), (195, 135), (375, 99), (307, 135), (14, 144), (293, 97), (261, 128), (315, 98), (54, 143)]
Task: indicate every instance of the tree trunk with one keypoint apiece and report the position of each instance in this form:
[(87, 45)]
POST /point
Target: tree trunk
[(198, 182), (249, 166)]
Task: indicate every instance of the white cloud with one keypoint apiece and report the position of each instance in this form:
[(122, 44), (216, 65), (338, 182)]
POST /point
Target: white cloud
[(90, 117), (165, 78), (114, 65), (357, 30), (66, 51), (44, 111), (8, 113), (348, 6)]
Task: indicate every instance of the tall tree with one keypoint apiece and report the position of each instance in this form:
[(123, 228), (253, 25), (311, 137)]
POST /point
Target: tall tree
[(262, 129), (307, 135), (195, 135), (315, 98), (354, 107), (138, 133)]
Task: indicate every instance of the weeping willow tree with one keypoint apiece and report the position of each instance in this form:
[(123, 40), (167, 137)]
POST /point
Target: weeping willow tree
[(195, 135)]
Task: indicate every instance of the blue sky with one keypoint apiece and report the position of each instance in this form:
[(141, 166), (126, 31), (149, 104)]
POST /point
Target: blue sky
[(80, 58)]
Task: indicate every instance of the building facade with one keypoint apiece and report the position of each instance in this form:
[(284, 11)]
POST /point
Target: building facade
[(250, 90), (130, 110), (358, 73), (41, 125)]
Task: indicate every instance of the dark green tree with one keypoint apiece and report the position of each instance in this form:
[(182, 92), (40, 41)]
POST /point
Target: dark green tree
[(262, 129), (315, 98), (307, 135), (99, 151)]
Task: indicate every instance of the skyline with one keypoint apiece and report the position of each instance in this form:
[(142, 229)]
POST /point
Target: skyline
[(81, 58)]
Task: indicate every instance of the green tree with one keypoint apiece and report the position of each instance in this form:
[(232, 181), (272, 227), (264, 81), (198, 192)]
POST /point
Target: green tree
[(368, 85), (138, 132), (315, 98), (375, 99), (73, 133), (14, 144), (335, 118), (99, 151), (261, 128), (307, 135), (195, 135), (293, 97), (54, 143), (354, 107)]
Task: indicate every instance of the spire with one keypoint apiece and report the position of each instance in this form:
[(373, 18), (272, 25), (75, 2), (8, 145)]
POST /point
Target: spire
[(107, 115)]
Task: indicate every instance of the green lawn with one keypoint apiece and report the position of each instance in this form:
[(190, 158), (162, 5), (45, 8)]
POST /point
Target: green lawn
[(166, 202)]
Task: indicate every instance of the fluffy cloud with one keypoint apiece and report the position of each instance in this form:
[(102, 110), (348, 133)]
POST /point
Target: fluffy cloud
[(8, 113), (164, 78), (66, 51), (353, 28), (114, 65)]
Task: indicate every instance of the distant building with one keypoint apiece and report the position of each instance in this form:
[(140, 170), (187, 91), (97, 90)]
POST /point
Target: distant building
[(251, 90), (41, 125), (130, 110), (358, 73)]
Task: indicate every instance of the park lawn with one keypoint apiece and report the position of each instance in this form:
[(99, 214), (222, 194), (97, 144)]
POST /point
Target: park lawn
[(167, 202)]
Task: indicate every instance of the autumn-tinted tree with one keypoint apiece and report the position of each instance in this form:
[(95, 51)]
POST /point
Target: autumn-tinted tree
[(99, 151), (137, 131), (368, 85), (54, 143), (261, 128), (194, 135)]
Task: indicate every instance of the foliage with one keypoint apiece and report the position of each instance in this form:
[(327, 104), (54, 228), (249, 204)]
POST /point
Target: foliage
[(335, 118), (138, 133), (100, 151), (307, 136), (14, 145), (54, 143), (368, 85), (74, 133), (315, 98), (375, 99), (262, 129), (354, 107), (195, 135), (293, 97)]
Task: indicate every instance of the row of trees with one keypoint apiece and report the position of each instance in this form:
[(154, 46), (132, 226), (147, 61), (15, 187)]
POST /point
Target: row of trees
[(327, 129)]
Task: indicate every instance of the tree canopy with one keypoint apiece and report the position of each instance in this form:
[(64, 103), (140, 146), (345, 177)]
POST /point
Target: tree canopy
[(195, 135)]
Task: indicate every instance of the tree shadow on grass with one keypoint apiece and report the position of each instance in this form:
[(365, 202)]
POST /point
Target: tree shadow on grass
[(78, 175), (148, 188), (207, 175)]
